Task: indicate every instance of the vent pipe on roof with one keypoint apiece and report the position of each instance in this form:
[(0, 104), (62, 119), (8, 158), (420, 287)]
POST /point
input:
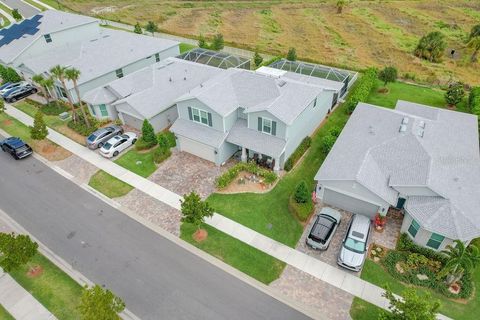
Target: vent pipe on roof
[(403, 128), (405, 120), (170, 79)]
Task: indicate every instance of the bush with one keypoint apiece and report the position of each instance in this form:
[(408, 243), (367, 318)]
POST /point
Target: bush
[(292, 54), (301, 192), (148, 133), (454, 94), (298, 153), (81, 128), (39, 130), (301, 210), (431, 47), (217, 42), (388, 74), (404, 243), (9, 75), (160, 154), (225, 179), (361, 90), (54, 108), (143, 145), (326, 143), (166, 139), (474, 101)]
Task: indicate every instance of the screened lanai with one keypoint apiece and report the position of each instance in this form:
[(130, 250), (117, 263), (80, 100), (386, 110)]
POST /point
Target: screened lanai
[(216, 59)]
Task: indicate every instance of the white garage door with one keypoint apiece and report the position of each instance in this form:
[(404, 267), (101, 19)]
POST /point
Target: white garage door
[(196, 148), (132, 121), (350, 204)]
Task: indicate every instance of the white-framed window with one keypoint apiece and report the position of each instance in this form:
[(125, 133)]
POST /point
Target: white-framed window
[(103, 110), (413, 229), (435, 241), (119, 73), (266, 125), (48, 38), (200, 116)]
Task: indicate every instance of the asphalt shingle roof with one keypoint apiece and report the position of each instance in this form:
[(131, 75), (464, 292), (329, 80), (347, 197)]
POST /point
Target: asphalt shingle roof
[(197, 132)]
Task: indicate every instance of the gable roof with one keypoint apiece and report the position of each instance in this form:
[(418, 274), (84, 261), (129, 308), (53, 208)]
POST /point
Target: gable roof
[(106, 52), (19, 36), (438, 149)]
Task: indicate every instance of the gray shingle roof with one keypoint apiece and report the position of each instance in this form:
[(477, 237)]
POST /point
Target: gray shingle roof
[(100, 95), (439, 149), (19, 36), (198, 132), (241, 135)]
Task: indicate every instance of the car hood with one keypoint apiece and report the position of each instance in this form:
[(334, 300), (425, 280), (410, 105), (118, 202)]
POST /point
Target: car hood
[(351, 258)]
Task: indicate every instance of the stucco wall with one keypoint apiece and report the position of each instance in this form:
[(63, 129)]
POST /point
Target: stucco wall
[(164, 119), (253, 123), (422, 236), (217, 120)]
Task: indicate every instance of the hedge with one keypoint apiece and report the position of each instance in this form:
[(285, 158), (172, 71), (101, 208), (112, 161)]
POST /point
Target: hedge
[(225, 179), (301, 210), (161, 154), (474, 103), (144, 145), (298, 153), (361, 90), (168, 137)]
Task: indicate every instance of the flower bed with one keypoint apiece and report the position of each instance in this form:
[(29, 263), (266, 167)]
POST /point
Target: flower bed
[(229, 176)]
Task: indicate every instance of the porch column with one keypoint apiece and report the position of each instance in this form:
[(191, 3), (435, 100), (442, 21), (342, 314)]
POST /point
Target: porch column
[(276, 166), (244, 154)]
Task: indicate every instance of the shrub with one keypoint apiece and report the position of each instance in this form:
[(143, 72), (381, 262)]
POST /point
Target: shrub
[(301, 192), (167, 139), (81, 128), (143, 145), (335, 131), (217, 42), (454, 94), (148, 134), (361, 90), (301, 210), (327, 142), (474, 100), (292, 54), (138, 28), (226, 178), (415, 260), (2, 106), (54, 108), (161, 154), (202, 43), (9, 75), (270, 61), (404, 243), (39, 130), (431, 47), (298, 153), (388, 74), (16, 15), (257, 59)]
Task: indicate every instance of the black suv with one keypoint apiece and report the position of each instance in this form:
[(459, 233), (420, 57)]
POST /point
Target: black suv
[(20, 93), (16, 147)]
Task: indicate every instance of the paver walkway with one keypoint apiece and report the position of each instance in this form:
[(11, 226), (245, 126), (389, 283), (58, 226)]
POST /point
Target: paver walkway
[(19, 303), (319, 269)]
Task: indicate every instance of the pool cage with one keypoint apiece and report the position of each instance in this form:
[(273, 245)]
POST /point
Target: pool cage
[(215, 59), (319, 71)]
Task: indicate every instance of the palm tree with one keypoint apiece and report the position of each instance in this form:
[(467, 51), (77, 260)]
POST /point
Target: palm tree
[(38, 79), (474, 43), (460, 259), (48, 85), (58, 72), (73, 74)]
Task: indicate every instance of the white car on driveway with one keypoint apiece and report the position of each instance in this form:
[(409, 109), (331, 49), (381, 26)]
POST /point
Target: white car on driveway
[(117, 144)]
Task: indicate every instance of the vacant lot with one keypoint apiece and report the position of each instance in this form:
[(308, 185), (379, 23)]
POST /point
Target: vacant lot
[(366, 33)]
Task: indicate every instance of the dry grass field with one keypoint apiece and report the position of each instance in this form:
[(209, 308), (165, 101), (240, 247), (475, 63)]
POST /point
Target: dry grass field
[(367, 32)]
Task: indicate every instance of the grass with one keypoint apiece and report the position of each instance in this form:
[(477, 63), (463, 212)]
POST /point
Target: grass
[(36, 5), (139, 162), (54, 3), (53, 288), (4, 315), (109, 185), (5, 8), (239, 255), (184, 47), (6, 22), (363, 310)]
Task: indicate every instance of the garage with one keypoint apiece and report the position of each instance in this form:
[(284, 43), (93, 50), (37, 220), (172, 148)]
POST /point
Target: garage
[(348, 203), (196, 148), (131, 121)]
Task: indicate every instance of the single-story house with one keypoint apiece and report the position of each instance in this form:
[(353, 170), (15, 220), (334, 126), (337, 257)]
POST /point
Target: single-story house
[(417, 158), (267, 112), (148, 93)]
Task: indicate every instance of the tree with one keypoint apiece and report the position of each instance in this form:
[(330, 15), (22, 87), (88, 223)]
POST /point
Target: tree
[(58, 72), (2, 106), (411, 307), (460, 259), (388, 74), (218, 43), (301, 192), (202, 43), (148, 133), (454, 94), (474, 43), (194, 210), (73, 74), (9, 75), (151, 27), (292, 54), (39, 80), (138, 28), (475, 32), (257, 59), (48, 83), (98, 303), (16, 15), (163, 142), (340, 5), (431, 46), (39, 130), (15, 250)]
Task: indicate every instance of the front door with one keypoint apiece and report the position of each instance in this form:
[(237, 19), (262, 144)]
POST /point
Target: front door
[(400, 203)]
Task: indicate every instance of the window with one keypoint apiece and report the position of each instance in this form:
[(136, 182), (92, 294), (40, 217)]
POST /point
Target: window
[(435, 241), (92, 108), (61, 92), (119, 73), (103, 110), (200, 116), (157, 57), (48, 38), (413, 229), (267, 126)]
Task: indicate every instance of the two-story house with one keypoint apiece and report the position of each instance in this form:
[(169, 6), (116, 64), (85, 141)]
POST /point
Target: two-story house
[(422, 160), (267, 112)]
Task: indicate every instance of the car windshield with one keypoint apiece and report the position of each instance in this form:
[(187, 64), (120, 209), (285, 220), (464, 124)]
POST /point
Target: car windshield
[(21, 149), (92, 137), (355, 245), (107, 146)]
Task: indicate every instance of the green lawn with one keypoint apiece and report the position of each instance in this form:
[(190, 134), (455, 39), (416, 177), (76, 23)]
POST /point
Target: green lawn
[(55, 4), (53, 122), (36, 5), (403, 91), (4, 315), (140, 163), (184, 47), (14, 127), (5, 8), (59, 293), (363, 310), (109, 185), (239, 255), (6, 22)]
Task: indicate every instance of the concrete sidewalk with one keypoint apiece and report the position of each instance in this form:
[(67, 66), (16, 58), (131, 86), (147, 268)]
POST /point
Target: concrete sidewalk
[(19, 303), (321, 270)]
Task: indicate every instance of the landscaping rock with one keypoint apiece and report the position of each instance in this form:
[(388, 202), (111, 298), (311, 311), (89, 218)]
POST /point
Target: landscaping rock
[(376, 259), (399, 268), (422, 277)]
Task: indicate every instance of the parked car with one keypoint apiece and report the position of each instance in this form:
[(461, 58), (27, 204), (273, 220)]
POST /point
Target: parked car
[(16, 147), (12, 86), (117, 144), (98, 138), (323, 229), (354, 248), (19, 93), (5, 85)]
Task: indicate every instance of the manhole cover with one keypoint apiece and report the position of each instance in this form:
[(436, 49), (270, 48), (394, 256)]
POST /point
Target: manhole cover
[(138, 162), (269, 226)]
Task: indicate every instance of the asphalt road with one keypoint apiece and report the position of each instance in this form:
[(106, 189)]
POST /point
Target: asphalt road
[(25, 10), (156, 278)]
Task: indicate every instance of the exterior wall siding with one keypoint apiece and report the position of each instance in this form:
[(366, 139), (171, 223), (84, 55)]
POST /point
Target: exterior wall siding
[(217, 120), (422, 236), (164, 119), (225, 152), (230, 120), (253, 123)]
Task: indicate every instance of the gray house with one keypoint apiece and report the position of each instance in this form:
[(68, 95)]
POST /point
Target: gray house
[(148, 93), (417, 158), (267, 113)]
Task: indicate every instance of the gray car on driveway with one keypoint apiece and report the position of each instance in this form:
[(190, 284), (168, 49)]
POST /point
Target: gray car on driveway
[(98, 138), (354, 247)]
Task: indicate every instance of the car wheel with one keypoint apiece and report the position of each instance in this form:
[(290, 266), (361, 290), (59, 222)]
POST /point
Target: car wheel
[(13, 100), (3, 148), (134, 140), (100, 145), (33, 91), (115, 153)]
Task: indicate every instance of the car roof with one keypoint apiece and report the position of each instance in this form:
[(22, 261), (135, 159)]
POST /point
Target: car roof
[(15, 142), (359, 227), (322, 227)]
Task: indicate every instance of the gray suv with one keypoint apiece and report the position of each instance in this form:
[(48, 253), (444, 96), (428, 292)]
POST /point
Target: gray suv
[(98, 138), (354, 247)]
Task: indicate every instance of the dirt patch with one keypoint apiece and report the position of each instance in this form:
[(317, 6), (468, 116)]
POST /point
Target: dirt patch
[(200, 235), (383, 90), (50, 151), (7, 122), (78, 138), (245, 183), (35, 271)]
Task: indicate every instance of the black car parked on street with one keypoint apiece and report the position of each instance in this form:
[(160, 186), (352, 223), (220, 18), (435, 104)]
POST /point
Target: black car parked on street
[(16, 147)]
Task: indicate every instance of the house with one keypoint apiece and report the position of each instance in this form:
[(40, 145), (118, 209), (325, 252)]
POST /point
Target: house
[(148, 93), (417, 158), (267, 112)]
